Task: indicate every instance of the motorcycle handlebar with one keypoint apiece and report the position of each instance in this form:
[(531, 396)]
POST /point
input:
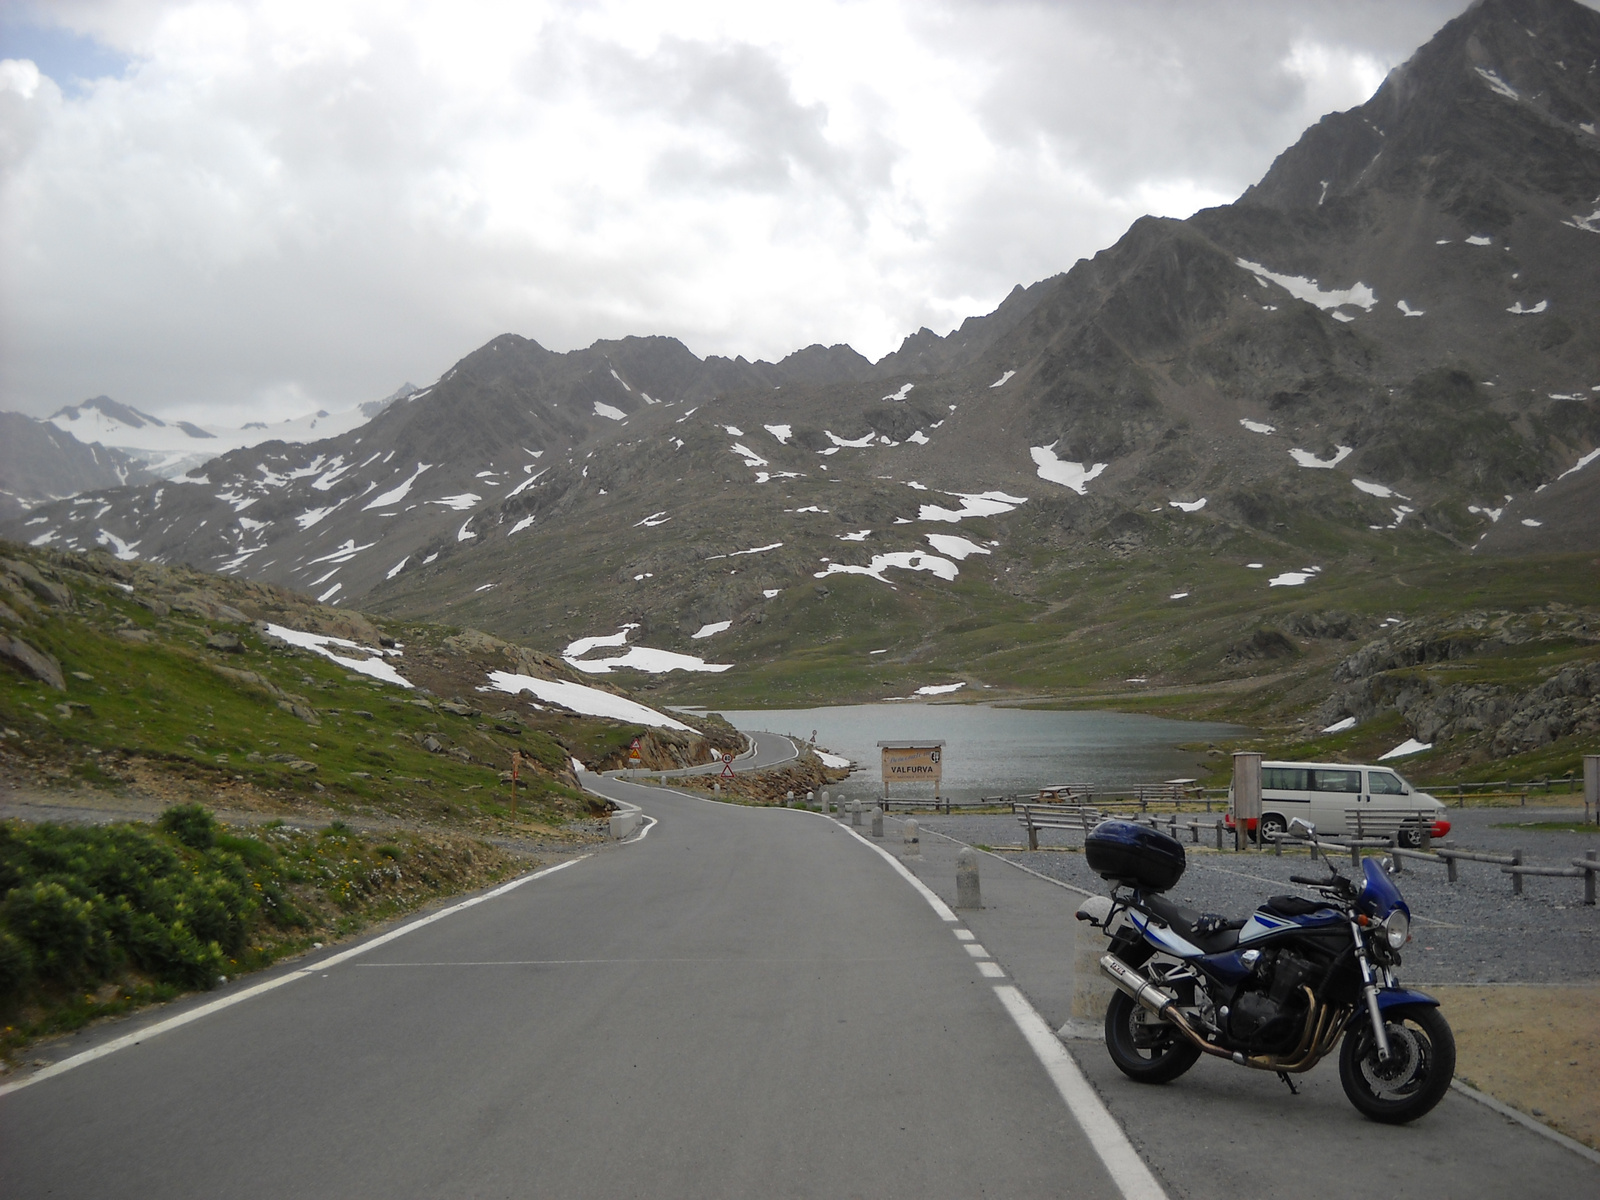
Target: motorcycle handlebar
[(1309, 880)]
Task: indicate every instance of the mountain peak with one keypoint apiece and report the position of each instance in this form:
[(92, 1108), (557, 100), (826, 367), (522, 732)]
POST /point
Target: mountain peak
[(107, 407), (1505, 80)]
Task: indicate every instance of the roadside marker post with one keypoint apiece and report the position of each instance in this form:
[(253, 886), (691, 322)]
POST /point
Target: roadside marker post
[(516, 770), (967, 888)]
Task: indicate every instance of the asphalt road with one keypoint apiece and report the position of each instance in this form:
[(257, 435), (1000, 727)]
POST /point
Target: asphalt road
[(746, 1002), (765, 750)]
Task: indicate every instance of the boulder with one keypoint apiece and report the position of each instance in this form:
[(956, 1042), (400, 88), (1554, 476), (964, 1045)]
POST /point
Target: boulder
[(57, 595), (31, 661)]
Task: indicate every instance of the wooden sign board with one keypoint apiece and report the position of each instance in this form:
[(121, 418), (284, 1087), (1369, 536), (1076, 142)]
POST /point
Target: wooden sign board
[(912, 762)]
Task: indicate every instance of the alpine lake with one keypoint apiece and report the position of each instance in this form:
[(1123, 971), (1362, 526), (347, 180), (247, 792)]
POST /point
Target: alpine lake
[(992, 751)]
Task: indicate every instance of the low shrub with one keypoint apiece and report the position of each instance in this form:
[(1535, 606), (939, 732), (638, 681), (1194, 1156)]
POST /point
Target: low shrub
[(191, 824)]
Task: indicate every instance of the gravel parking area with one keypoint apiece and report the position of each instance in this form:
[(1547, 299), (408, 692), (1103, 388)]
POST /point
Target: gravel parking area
[(1472, 931)]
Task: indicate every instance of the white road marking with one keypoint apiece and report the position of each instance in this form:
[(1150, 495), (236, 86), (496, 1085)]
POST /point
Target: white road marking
[(965, 935), (1121, 1160), (975, 949), (938, 905), (249, 993), (991, 970)]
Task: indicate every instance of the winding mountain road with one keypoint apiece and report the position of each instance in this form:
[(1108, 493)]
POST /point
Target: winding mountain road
[(741, 1002)]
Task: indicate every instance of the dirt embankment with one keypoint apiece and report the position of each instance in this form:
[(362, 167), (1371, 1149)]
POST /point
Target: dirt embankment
[(772, 785), (1535, 1048)]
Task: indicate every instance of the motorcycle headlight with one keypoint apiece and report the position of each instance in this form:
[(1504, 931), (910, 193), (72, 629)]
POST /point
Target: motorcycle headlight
[(1396, 929)]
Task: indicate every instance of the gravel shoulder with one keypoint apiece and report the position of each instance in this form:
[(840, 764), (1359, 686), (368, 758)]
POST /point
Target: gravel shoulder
[(1470, 932)]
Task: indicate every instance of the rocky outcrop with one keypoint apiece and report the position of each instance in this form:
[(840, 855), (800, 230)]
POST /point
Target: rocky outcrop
[(31, 661), (1389, 676)]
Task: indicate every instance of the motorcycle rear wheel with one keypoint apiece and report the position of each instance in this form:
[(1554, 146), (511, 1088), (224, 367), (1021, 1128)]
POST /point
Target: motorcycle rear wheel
[(1422, 1062), (1144, 1047)]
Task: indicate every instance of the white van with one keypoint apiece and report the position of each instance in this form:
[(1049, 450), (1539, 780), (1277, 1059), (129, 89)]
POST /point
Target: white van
[(1344, 799)]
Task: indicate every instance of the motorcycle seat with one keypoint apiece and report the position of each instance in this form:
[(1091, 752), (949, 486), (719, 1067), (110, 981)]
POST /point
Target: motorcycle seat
[(1214, 934)]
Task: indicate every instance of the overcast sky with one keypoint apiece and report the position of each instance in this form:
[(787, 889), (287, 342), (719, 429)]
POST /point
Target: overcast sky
[(233, 209)]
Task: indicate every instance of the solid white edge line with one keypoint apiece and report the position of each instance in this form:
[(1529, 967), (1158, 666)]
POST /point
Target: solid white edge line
[(1523, 1119), (938, 905), (1122, 1161), (249, 993)]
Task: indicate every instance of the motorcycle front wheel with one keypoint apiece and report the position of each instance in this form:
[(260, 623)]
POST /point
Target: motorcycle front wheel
[(1421, 1063), (1144, 1047)]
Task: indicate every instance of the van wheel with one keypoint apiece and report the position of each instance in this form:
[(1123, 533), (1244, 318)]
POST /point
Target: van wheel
[(1272, 825), (1411, 838)]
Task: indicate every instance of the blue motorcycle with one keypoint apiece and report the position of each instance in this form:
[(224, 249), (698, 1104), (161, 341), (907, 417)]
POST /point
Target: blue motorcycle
[(1275, 991)]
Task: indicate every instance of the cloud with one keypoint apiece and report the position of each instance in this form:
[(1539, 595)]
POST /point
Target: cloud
[(265, 205)]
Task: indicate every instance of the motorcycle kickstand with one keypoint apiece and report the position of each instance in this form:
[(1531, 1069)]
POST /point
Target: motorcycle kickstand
[(1288, 1083)]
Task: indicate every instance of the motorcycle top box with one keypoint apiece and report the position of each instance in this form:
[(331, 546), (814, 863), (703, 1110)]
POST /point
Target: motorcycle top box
[(1134, 855)]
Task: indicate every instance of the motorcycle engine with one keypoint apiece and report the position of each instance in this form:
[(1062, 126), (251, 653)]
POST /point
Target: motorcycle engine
[(1268, 1013)]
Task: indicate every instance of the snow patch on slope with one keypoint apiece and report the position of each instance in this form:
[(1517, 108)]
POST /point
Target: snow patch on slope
[(1359, 295), (1076, 476), (578, 698)]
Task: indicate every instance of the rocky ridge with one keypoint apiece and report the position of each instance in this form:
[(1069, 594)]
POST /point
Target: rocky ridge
[(1378, 354)]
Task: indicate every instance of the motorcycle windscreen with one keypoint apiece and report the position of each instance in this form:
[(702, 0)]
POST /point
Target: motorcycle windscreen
[(1379, 890)]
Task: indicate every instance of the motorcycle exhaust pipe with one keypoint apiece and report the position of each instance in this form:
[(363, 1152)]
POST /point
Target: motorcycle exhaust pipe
[(1306, 1055), (1153, 998)]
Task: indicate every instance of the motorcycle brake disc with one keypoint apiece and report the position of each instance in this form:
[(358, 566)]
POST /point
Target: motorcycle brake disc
[(1399, 1074)]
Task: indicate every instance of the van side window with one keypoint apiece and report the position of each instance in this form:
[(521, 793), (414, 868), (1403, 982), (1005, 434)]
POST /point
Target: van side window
[(1284, 779), (1335, 781), (1382, 783)]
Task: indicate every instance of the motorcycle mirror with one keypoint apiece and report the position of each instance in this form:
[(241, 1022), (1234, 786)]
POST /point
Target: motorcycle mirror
[(1300, 827)]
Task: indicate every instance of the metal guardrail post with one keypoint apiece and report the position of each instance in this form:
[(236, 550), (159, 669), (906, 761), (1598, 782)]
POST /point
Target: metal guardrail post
[(1516, 876)]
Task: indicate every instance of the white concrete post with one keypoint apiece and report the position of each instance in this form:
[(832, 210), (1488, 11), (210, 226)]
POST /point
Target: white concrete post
[(788, 799), (825, 801), (967, 894), (810, 796), (877, 822), (1091, 990), (855, 813), (913, 843)]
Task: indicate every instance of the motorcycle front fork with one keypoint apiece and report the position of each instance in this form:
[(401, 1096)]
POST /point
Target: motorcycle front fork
[(1369, 992)]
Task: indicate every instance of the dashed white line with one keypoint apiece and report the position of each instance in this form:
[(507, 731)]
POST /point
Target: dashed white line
[(1122, 1162), (975, 949)]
